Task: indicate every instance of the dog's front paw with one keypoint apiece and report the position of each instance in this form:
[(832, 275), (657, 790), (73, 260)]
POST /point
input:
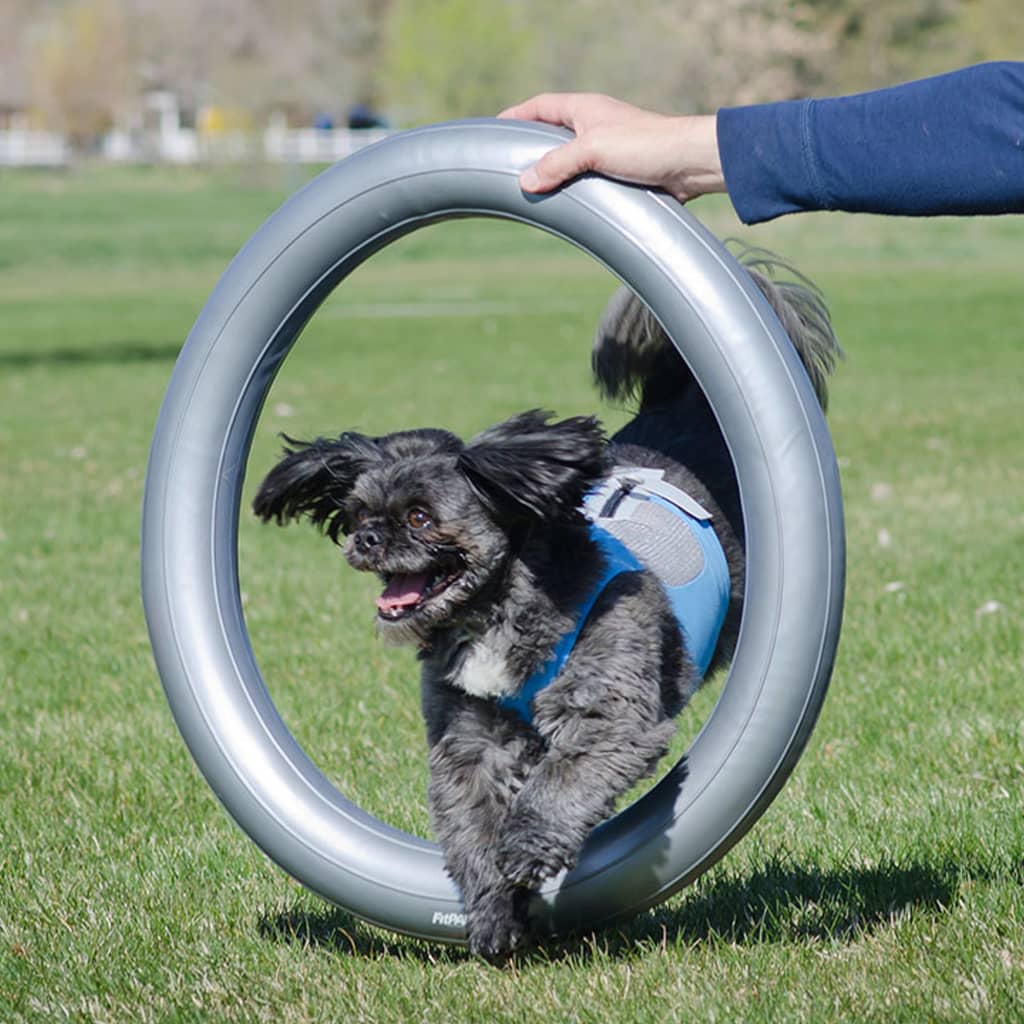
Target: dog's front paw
[(531, 851), (497, 923)]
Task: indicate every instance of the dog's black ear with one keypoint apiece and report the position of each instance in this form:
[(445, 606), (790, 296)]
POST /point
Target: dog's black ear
[(314, 478), (527, 467)]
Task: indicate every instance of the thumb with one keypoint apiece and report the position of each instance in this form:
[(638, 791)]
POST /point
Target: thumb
[(556, 167)]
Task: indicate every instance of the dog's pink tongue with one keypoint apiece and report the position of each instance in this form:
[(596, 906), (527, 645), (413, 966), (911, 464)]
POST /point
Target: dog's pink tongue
[(402, 591)]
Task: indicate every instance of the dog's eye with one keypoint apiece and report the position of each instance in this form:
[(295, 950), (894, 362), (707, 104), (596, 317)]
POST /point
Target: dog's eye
[(417, 518)]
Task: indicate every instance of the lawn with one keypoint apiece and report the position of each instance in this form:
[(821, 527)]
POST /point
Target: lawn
[(886, 882)]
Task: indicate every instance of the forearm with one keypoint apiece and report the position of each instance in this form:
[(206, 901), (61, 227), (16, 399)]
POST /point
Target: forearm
[(698, 167), (953, 144)]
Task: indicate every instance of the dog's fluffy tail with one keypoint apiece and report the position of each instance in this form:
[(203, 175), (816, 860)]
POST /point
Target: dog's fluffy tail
[(634, 359)]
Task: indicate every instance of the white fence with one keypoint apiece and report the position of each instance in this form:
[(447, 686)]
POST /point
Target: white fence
[(312, 146), (33, 149), (20, 148)]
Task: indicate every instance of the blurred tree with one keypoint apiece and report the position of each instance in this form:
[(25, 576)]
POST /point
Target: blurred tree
[(89, 60), (692, 57), (455, 58), (447, 58), (15, 18), (905, 39), (83, 72), (258, 55), (989, 30)]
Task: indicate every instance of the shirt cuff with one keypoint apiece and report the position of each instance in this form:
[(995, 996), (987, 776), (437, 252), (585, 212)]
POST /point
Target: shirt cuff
[(769, 161)]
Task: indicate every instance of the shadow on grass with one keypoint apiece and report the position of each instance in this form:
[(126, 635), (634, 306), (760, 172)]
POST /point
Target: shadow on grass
[(778, 903), (114, 352), (339, 932), (787, 903)]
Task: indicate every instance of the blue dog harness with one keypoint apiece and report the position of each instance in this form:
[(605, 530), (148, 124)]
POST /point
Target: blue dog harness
[(640, 521)]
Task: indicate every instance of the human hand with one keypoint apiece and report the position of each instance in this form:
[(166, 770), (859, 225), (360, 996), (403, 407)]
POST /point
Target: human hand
[(678, 154)]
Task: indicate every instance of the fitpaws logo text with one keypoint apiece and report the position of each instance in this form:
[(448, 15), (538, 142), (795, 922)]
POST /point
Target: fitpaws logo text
[(449, 919)]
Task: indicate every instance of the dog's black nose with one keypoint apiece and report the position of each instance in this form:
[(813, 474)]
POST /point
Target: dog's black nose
[(368, 539)]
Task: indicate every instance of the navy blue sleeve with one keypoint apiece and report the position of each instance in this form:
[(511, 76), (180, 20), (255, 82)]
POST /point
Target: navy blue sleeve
[(953, 144)]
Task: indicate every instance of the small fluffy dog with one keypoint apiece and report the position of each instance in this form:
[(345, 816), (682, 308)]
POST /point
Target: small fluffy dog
[(488, 564)]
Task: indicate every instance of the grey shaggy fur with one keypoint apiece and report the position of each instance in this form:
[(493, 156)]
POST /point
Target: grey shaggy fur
[(485, 558)]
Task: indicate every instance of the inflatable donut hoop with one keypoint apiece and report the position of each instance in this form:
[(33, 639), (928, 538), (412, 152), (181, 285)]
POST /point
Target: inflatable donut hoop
[(774, 428)]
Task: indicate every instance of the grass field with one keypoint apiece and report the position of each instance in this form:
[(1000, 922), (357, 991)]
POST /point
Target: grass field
[(885, 883)]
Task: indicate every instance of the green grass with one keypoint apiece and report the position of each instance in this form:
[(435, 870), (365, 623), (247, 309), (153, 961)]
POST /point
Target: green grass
[(886, 882)]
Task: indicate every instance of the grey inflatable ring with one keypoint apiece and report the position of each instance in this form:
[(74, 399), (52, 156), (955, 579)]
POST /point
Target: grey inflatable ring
[(788, 482)]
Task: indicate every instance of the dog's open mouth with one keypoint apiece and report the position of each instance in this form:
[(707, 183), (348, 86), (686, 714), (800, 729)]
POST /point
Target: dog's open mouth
[(406, 593)]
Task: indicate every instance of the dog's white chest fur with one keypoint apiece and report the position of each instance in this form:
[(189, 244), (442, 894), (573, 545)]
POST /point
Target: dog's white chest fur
[(484, 672)]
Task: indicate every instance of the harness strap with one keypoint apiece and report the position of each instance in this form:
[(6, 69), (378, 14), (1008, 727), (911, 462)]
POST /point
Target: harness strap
[(699, 604), (601, 503), (618, 559)]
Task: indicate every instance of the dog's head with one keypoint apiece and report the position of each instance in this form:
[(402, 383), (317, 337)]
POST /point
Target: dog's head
[(435, 518)]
